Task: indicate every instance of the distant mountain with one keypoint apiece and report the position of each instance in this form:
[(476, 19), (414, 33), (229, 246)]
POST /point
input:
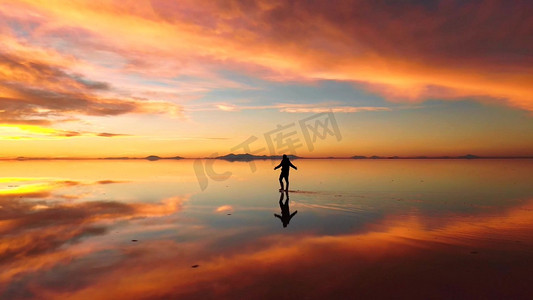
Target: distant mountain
[(250, 157), (155, 157), (468, 156), (152, 157)]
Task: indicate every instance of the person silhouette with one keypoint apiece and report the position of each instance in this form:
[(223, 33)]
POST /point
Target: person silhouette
[(285, 165), (286, 215)]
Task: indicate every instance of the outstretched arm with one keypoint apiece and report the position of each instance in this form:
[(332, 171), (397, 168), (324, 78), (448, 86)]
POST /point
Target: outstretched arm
[(277, 166), (292, 215), (293, 166), (277, 216)]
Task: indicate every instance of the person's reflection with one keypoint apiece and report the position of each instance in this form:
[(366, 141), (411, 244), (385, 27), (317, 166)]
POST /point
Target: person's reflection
[(286, 215)]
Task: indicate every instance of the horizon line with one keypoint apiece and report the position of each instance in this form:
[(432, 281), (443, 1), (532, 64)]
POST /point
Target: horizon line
[(269, 157)]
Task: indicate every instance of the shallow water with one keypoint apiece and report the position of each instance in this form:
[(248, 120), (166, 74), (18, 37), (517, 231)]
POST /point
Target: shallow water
[(132, 229)]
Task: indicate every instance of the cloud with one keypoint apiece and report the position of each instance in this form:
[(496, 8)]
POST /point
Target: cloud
[(66, 58), (42, 92), (336, 109), (224, 208), (290, 107), (109, 181), (404, 50), (38, 132), (107, 134)]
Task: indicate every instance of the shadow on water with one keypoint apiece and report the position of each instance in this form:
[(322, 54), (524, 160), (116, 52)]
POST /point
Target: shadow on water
[(286, 215)]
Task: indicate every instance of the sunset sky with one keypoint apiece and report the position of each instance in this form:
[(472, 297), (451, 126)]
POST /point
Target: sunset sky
[(193, 77)]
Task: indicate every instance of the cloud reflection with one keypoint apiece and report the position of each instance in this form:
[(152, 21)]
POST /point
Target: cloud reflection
[(404, 255), (39, 231), (410, 254)]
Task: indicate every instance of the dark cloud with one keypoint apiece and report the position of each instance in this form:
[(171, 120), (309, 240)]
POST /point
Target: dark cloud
[(42, 72), (109, 181), (107, 134), (469, 32)]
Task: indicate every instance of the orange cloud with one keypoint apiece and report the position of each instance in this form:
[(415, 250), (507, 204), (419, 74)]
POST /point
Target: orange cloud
[(224, 208), (406, 51), (37, 132), (38, 88)]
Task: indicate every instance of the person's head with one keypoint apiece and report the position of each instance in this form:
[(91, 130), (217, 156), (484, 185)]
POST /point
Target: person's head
[(284, 156)]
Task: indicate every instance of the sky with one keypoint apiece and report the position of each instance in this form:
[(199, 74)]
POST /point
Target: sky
[(198, 78)]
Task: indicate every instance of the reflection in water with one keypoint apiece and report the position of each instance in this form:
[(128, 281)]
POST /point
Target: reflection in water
[(394, 229), (286, 215), (42, 228)]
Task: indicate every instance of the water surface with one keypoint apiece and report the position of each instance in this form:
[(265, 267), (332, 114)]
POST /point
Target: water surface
[(132, 229)]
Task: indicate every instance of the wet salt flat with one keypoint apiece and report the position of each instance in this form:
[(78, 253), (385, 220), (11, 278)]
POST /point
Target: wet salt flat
[(136, 229)]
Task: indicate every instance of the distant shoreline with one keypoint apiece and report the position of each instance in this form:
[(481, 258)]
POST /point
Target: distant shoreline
[(248, 157)]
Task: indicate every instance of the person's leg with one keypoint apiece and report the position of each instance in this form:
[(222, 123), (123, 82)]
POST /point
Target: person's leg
[(281, 181), (287, 181)]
